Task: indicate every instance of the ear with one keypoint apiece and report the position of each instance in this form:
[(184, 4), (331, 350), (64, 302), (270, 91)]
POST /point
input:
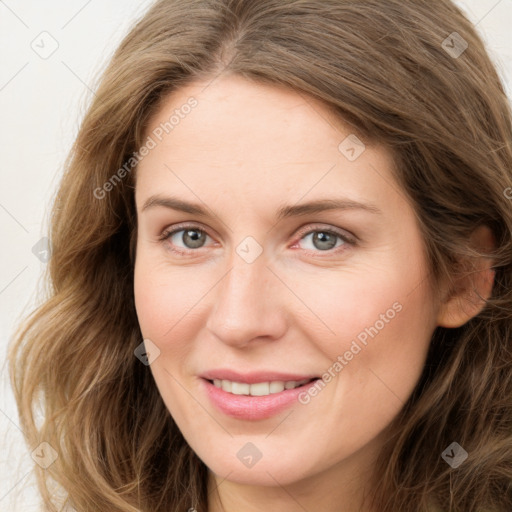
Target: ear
[(473, 288)]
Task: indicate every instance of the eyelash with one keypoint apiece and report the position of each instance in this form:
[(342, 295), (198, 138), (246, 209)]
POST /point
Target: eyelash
[(167, 234)]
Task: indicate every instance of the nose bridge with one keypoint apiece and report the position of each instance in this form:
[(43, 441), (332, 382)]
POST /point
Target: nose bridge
[(245, 305)]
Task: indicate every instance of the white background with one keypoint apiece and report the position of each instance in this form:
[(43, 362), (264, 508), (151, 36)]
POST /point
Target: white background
[(41, 104)]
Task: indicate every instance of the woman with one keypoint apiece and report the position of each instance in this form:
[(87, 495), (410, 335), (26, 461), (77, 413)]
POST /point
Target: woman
[(281, 268)]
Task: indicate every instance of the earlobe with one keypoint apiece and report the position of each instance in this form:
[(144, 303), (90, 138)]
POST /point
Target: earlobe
[(473, 289)]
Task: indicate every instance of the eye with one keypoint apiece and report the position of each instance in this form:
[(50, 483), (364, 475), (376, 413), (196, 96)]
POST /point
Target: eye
[(325, 240), (191, 236)]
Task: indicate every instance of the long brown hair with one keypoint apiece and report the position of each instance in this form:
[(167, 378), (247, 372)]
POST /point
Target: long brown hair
[(399, 75)]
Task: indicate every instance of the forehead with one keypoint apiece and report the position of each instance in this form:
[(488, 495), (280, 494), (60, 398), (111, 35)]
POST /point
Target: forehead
[(244, 139)]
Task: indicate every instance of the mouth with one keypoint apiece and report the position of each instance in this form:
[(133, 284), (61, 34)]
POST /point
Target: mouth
[(264, 388), (255, 401)]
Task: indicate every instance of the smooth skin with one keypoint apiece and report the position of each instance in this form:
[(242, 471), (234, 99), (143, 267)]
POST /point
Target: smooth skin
[(245, 151)]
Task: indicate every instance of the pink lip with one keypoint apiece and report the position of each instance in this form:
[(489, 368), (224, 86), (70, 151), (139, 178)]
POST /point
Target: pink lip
[(253, 377), (247, 407)]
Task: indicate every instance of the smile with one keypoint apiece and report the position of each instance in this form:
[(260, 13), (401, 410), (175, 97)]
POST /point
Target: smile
[(258, 388), (256, 401)]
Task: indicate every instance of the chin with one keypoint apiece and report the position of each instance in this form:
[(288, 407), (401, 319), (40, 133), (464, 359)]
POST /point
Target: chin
[(270, 472)]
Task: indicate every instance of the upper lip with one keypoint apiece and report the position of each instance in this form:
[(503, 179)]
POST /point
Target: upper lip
[(253, 377)]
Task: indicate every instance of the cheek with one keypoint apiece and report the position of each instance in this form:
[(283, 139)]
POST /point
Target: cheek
[(375, 362), (380, 322), (149, 303), (399, 352), (387, 347), (364, 309), (164, 312), (170, 309), (162, 296)]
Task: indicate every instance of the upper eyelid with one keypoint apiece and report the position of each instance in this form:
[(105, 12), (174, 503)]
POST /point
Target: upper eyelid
[(312, 227), (178, 228)]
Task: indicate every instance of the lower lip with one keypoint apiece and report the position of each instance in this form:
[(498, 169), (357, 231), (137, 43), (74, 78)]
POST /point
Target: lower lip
[(247, 407)]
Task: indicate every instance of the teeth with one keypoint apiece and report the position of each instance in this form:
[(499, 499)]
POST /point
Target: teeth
[(276, 387), (240, 388), (259, 388), (226, 385)]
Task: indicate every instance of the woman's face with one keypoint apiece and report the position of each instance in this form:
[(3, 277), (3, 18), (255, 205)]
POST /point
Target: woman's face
[(294, 255)]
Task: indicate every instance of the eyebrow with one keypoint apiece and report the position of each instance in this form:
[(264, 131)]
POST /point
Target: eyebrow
[(283, 212)]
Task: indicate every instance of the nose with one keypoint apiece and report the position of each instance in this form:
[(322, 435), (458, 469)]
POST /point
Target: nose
[(248, 304)]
